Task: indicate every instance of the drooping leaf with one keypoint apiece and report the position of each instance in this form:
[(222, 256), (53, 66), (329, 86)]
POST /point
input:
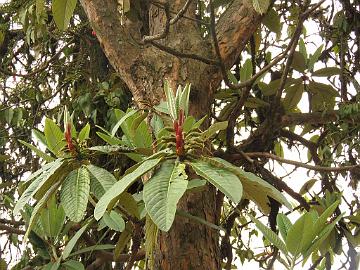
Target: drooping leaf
[(114, 221), (41, 176), (37, 151), (71, 244), (54, 136), (307, 186), (270, 235), (122, 185), (100, 180), (91, 249), (62, 11), (255, 188), (163, 191), (111, 149), (211, 131), (327, 72), (321, 221), (74, 194), (226, 181), (195, 183)]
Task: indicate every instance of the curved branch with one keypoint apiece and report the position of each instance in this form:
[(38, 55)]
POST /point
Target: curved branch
[(301, 164)]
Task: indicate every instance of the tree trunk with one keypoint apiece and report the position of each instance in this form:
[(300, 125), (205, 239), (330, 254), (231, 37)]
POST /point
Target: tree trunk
[(188, 245)]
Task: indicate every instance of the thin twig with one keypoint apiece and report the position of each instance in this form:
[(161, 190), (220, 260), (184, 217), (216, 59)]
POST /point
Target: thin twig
[(184, 55), (300, 164)]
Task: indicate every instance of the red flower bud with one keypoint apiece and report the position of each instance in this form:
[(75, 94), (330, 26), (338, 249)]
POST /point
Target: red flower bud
[(93, 33)]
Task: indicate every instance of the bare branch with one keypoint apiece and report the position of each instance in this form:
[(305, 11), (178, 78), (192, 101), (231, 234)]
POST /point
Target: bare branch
[(301, 164)]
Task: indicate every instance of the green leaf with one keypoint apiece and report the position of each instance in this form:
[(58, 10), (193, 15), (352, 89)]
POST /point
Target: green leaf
[(272, 21), (114, 221), (302, 48), (37, 151), (313, 58), (299, 234), (307, 186), (298, 62), (270, 88), (74, 194), (41, 176), (255, 188), (284, 224), (71, 244), (293, 96), (110, 140), (211, 131), (319, 240), (36, 211), (84, 133), (261, 6), (163, 191), (246, 71), (195, 183), (270, 235), (54, 136), (122, 120), (327, 72), (91, 249), (120, 186), (184, 99), (170, 99), (111, 149), (100, 180), (73, 265), (226, 181), (321, 222), (62, 11), (52, 218), (254, 103)]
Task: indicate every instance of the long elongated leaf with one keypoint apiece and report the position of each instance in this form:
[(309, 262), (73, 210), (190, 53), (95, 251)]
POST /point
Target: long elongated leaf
[(71, 244), (120, 186), (163, 191), (36, 211), (122, 120), (322, 236), (284, 224), (211, 131), (321, 221), (226, 181), (37, 151), (299, 233), (92, 248), (42, 176), (184, 99), (170, 98), (54, 136), (74, 194), (270, 235), (62, 11), (255, 188)]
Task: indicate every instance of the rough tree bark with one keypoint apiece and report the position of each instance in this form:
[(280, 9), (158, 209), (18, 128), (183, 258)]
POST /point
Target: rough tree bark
[(144, 67)]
